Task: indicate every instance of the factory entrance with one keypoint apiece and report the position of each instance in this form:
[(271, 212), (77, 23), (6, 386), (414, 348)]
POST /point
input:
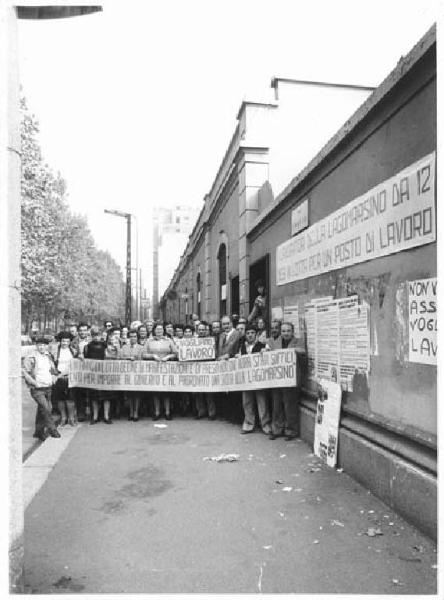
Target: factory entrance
[(260, 270)]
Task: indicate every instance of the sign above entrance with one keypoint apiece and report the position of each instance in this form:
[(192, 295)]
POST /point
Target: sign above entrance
[(396, 215), (299, 218)]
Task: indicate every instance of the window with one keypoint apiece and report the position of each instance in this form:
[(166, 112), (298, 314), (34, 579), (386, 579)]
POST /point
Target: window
[(222, 259), (198, 281)]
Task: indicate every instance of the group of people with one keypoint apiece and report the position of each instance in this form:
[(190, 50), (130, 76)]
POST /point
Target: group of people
[(46, 373)]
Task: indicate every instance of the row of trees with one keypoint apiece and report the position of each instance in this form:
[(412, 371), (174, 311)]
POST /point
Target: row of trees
[(64, 275)]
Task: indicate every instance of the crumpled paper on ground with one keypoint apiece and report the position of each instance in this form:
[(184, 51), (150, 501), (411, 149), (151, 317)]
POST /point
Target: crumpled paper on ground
[(223, 458)]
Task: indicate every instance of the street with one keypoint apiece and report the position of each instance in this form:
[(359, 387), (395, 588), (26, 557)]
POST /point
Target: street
[(135, 508)]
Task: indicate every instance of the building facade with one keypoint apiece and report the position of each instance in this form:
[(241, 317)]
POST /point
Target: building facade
[(171, 228), (348, 253)]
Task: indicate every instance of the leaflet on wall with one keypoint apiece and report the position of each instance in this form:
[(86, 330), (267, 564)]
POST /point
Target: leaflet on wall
[(291, 315), (327, 340), (277, 313), (423, 321), (327, 421), (338, 342), (396, 215), (354, 344), (310, 331)]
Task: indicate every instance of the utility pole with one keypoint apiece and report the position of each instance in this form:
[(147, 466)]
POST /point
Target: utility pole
[(127, 216)]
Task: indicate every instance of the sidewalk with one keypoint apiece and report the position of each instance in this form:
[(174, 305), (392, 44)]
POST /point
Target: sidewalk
[(133, 508)]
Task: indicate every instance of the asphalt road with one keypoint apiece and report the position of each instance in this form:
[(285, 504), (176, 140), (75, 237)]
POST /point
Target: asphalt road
[(133, 508)]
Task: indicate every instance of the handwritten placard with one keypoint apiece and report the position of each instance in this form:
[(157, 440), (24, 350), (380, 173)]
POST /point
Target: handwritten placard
[(196, 348), (423, 325)]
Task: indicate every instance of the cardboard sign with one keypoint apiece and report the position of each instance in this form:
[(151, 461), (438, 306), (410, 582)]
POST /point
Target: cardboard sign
[(196, 348), (423, 324), (327, 422), (274, 369)]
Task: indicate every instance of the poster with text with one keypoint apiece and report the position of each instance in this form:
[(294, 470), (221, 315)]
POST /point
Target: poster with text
[(327, 422), (423, 324)]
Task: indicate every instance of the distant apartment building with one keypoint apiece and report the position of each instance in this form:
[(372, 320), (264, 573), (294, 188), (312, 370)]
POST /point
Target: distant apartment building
[(171, 230)]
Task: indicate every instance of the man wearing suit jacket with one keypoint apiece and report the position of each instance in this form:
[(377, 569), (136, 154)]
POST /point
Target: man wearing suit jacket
[(251, 397), (229, 339), (285, 420)]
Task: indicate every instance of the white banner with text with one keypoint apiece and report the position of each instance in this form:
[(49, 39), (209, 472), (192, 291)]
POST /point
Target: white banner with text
[(396, 215), (274, 369)]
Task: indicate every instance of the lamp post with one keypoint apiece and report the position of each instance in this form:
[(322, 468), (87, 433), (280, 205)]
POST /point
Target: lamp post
[(126, 216)]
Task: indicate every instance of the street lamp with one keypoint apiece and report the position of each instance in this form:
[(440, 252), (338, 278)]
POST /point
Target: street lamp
[(126, 216)]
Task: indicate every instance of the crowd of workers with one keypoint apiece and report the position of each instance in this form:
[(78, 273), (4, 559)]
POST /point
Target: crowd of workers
[(46, 372)]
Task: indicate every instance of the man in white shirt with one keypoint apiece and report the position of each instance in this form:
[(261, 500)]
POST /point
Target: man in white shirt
[(38, 371)]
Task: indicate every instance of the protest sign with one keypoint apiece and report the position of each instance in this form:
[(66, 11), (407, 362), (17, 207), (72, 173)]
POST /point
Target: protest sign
[(327, 421), (196, 348), (274, 369), (395, 215), (422, 321)]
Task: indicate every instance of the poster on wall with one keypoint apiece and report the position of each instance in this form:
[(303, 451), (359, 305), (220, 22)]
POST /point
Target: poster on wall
[(291, 315), (327, 421), (396, 215), (423, 324), (354, 345), (327, 340), (338, 342), (277, 313)]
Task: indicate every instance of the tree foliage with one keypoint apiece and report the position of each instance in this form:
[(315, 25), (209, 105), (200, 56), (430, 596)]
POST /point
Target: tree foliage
[(64, 275)]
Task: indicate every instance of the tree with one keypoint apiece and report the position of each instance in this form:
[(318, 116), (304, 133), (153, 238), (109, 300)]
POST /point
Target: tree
[(64, 275)]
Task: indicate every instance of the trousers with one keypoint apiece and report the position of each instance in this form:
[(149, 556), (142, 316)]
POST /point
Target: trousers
[(43, 418), (285, 418), (205, 404), (250, 398)]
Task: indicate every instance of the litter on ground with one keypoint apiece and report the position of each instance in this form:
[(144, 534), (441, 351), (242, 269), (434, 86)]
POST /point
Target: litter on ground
[(372, 532), (223, 458), (160, 425), (287, 489)]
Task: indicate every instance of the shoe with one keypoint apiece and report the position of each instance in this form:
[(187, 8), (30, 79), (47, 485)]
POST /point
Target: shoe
[(80, 419), (130, 418), (135, 419), (108, 421), (94, 422), (243, 432), (273, 436), (288, 438), (156, 417), (197, 417), (213, 418), (168, 417), (55, 434), (41, 436)]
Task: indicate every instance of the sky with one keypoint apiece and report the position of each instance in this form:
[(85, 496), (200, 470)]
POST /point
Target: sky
[(137, 104)]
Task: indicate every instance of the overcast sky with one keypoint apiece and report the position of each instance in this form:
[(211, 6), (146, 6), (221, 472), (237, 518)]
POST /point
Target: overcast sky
[(137, 104)]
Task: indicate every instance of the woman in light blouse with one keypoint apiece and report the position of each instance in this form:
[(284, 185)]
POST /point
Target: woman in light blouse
[(161, 349)]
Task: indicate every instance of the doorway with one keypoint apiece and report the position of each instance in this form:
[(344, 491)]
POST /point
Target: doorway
[(260, 270)]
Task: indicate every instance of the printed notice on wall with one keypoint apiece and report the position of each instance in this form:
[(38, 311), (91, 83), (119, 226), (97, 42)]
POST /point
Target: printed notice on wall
[(422, 321), (291, 315), (327, 340), (396, 215), (327, 422), (338, 342)]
